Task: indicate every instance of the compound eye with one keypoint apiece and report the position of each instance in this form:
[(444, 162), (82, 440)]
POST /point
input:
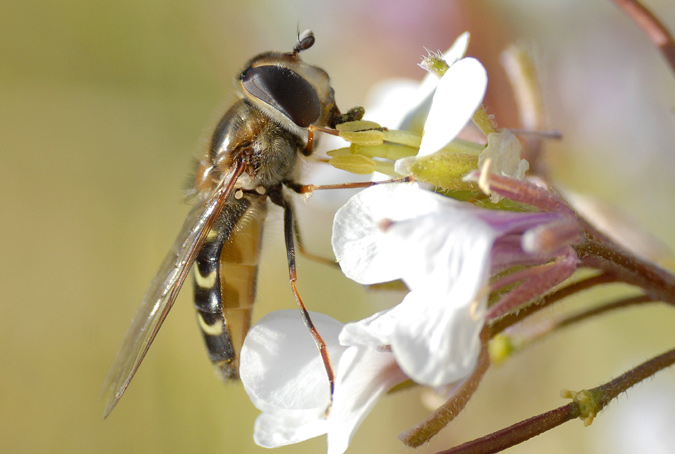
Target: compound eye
[(284, 90)]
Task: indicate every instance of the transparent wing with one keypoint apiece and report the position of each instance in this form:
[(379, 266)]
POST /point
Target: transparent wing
[(162, 292)]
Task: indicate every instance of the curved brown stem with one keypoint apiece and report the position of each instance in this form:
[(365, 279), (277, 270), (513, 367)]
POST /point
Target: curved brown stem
[(585, 404), (657, 33), (512, 318), (599, 252), (517, 433), (444, 414)]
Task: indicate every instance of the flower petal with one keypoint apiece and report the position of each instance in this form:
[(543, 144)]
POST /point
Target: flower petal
[(458, 49), (280, 429), (374, 332), (459, 93), (277, 370), (417, 110), (273, 379), (447, 251), (391, 100), (436, 341), (364, 375), (290, 388), (358, 241)]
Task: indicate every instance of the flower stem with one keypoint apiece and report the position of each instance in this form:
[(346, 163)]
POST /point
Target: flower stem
[(657, 33), (484, 122), (599, 252), (520, 340), (512, 318), (517, 433), (444, 414), (612, 389), (585, 404), (601, 309)]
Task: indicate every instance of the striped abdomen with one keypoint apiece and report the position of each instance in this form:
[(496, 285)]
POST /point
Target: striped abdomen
[(225, 280)]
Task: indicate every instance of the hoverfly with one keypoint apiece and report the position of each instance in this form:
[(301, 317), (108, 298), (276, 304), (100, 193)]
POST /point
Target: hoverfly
[(252, 157)]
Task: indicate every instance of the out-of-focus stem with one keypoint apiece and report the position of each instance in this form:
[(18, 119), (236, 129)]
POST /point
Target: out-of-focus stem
[(657, 33), (522, 74), (524, 338), (602, 309)]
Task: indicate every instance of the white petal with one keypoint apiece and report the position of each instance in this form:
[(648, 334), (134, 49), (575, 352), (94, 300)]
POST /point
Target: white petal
[(459, 93), (283, 374), (374, 331), (358, 241), (364, 375), (390, 101), (437, 342), (279, 429), (403, 166), (448, 251), (280, 365), (418, 109), (458, 49)]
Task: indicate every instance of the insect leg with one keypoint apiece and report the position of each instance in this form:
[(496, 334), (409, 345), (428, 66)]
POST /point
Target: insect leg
[(354, 114), (309, 188), (289, 231)]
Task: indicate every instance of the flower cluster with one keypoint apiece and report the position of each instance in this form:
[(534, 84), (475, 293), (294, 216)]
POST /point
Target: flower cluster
[(472, 268)]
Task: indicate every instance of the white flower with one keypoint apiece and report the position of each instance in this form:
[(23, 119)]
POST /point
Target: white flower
[(444, 251), (441, 252), (283, 375)]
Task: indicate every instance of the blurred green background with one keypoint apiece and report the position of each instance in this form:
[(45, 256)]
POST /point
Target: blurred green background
[(103, 106)]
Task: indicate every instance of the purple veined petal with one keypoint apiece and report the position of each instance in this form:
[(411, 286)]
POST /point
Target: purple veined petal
[(364, 375), (436, 341), (283, 374), (509, 222), (459, 93), (363, 251)]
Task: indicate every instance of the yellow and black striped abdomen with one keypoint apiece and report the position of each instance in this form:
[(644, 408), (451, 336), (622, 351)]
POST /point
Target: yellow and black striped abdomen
[(225, 280)]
